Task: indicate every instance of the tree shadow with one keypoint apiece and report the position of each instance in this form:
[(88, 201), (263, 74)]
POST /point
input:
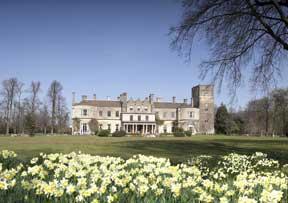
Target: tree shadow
[(182, 150)]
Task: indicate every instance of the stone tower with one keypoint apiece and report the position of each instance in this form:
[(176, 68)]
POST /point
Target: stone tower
[(203, 98), (123, 100)]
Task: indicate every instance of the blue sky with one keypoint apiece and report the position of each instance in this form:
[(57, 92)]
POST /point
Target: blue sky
[(103, 47)]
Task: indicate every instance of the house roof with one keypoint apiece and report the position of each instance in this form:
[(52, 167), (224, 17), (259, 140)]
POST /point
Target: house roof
[(107, 103), (99, 103), (170, 105)]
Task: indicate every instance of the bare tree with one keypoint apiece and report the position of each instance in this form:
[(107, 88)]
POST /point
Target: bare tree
[(76, 125), (54, 93), (33, 103), (10, 89), (62, 115), (241, 33), (20, 110), (34, 91), (44, 118)]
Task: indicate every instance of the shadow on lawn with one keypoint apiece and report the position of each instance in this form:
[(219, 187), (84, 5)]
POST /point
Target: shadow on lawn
[(180, 151), (256, 142)]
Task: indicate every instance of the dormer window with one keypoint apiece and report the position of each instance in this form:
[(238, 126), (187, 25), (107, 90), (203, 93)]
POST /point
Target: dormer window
[(146, 108), (131, 108), (138, 108)]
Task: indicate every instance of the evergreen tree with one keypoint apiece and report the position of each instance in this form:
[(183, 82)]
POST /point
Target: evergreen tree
[(223, 121)]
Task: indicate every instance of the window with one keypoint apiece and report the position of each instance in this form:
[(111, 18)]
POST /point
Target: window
[(157, 113), (139, 118), (84, 112), (109, 126), (147, 118), (173, 114), (206, 107), (191, 114), (101, 126), (164, 114), (100, 113), (146, 108), (131, 117), (84, 127), (165, 129), (109, 113), (117, 127), (117, 113), (206, 121), (138, 108), (131, 108)]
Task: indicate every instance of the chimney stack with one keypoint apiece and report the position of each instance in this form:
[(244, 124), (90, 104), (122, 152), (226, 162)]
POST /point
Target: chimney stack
[(94, 96), (185, 101), (123, 97), (73, 98), (84, 97), (151, 98), (174, 99)]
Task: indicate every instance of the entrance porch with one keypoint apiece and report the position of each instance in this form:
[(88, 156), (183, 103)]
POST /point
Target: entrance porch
[(141, 128)]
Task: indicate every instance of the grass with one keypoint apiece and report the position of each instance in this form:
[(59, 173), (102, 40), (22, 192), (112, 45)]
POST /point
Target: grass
[(177, 149)]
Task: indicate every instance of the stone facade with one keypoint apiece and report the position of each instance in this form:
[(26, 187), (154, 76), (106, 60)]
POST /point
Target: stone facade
[(148, 116)]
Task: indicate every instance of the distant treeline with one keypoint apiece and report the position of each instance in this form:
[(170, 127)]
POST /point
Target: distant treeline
[(265, 116), (23, 112)]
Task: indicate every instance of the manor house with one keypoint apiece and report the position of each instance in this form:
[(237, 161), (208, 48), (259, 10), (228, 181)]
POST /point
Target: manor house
[(148, 116)]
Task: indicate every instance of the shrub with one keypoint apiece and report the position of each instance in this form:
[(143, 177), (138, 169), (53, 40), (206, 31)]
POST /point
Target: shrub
[(120, 133), (104, 133), (188, 133), (166, 134), (179, 134), (178, 129)]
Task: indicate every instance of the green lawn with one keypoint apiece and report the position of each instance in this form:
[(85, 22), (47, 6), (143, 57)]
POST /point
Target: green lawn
[(177, 149)]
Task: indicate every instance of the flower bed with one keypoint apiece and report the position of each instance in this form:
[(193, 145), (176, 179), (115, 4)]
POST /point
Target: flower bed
[(78, 177)]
